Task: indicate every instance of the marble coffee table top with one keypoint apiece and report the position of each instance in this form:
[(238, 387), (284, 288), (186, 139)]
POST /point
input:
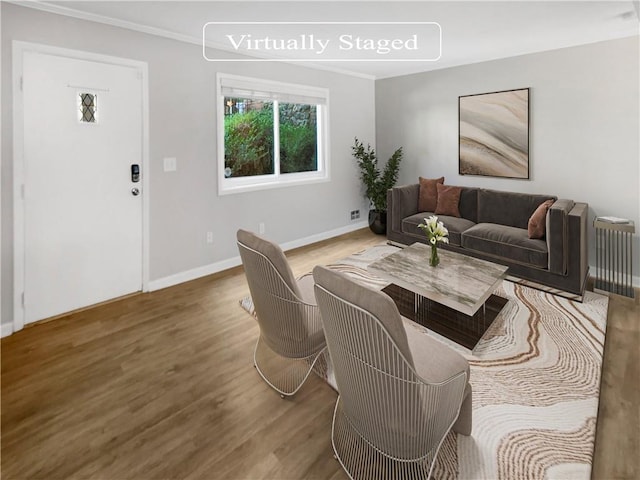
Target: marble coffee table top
[(461, 282)]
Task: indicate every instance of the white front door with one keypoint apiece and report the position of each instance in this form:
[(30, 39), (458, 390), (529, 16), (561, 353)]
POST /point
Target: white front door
[(82, 220)]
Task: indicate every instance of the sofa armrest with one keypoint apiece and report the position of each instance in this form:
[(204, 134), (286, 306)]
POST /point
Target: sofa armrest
[(567, 238), (579, 241), (401, 203), (558, 235)]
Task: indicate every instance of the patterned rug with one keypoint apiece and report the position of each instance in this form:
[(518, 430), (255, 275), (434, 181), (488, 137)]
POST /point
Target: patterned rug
[(536, 382)]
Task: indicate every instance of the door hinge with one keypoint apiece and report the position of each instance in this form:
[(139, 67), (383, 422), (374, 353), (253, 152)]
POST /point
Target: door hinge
[(22, 299)]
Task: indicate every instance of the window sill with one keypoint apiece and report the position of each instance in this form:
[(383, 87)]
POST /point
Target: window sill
[(271, 184)]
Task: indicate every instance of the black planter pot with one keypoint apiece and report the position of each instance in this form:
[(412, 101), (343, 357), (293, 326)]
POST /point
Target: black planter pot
[(378, 221)]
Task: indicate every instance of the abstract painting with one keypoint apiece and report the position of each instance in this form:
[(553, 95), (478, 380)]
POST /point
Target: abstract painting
[(494, 134)]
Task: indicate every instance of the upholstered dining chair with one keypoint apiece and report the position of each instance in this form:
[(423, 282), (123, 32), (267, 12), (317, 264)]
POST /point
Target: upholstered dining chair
[(291, 338), (400, 391)]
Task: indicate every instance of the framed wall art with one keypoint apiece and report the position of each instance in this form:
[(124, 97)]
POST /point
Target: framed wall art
[(493, 138)]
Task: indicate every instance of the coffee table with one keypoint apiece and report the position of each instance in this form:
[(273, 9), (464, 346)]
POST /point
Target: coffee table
[(454, 299)]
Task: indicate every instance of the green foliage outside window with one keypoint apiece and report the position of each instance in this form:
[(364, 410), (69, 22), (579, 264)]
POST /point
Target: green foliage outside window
[(298, 138), (248, 142), (249, 138)]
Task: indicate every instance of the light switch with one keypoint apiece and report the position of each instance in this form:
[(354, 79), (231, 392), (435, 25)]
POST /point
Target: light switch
[(170, 164)]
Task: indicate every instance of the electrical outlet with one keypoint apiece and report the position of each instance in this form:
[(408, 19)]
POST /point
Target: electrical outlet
[(261, 227), (209, 237), (170, 164), (355, 214)]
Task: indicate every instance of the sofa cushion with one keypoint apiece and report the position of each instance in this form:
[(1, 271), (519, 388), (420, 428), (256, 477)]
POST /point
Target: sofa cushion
[(507, 242), (455, 225), (538, 220), (469, 204), (448, 200), (508, 208), (428, 196)]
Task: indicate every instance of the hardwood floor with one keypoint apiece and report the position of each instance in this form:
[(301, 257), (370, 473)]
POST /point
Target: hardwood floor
[(161, 385)]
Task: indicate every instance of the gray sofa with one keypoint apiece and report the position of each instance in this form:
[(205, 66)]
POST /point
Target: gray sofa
[(493, 226)]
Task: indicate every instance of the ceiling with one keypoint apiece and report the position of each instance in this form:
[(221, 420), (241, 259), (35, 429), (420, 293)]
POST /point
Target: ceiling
[(472, 31)]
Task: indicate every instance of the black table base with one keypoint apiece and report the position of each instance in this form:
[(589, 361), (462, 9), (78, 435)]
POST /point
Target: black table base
[(466, 330)]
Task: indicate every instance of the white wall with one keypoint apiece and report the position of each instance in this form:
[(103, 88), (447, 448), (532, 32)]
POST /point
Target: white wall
[(584, 124), (185, 204)]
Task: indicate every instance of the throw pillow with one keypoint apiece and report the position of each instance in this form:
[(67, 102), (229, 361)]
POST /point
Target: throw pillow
[(538, 221), (428, 195), (448, 200)]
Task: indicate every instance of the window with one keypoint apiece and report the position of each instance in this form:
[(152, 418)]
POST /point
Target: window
[(270, 134), (87, 107)]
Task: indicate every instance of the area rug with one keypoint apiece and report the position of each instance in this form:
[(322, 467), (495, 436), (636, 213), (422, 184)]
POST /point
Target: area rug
[(536, 382)]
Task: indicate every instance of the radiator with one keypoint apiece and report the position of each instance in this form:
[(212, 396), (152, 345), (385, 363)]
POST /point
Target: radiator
[(614, 257)]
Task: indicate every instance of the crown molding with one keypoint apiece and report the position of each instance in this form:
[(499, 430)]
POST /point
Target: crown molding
[(160, 32)]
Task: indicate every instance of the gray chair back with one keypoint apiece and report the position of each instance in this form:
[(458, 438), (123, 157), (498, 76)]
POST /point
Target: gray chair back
[(286, 321), (383, 398)]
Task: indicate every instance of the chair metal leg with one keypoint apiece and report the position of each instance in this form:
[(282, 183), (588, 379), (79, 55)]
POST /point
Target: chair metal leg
[(284, 375)]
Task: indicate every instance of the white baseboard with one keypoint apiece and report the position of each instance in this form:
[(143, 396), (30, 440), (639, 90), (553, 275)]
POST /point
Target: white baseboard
[(194, 273), (216, 267), (6, 329), (324, 235)]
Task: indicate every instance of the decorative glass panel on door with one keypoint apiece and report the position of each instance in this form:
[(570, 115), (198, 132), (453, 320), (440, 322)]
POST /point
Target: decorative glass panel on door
[(87, 107)]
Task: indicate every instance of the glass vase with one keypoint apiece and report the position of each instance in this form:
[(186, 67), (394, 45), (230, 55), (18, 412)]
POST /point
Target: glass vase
[(434, 259)]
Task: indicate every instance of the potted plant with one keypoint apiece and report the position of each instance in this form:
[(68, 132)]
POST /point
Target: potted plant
[(376, 182)]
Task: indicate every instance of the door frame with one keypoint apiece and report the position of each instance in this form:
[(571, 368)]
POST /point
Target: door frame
[(19, 48)]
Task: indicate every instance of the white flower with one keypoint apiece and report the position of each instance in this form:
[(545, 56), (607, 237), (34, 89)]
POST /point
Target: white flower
[(434, 230)]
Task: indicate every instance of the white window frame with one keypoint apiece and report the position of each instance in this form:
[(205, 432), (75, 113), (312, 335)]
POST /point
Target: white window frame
[(247, 87)]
